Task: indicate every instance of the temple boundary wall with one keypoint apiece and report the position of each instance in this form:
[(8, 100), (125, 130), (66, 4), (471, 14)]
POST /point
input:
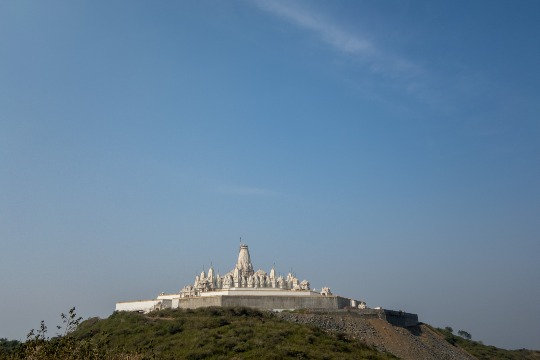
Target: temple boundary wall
[(323, 305), (262, 302), (396, 318)]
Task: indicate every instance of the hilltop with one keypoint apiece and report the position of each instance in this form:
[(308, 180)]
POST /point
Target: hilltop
[(221, 333), (244, 333)]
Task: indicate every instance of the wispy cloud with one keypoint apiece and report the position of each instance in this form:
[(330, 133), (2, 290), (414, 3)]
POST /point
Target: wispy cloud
[(245, 190), (342, 40), (389, 69), (329, 32)]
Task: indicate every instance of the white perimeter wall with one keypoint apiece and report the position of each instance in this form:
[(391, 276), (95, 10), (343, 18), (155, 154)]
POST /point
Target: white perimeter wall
[(141, 305)]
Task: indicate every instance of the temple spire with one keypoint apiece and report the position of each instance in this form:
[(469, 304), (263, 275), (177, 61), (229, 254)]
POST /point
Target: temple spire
[(244, 261)]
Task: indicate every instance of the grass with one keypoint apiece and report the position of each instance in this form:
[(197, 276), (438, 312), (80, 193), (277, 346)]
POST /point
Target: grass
[(486, 352)]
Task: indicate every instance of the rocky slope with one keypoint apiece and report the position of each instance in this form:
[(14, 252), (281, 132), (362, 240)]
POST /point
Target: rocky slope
[(414, 343)]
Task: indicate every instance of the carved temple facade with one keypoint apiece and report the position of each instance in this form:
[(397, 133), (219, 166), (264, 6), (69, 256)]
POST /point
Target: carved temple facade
[(243, 276), (242, 286)]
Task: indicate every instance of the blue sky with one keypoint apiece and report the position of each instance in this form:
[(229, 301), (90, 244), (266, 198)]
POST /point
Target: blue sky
[(389, 150)]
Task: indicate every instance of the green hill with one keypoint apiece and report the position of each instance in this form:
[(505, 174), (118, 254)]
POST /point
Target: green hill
[(212, 333), (232, 333)]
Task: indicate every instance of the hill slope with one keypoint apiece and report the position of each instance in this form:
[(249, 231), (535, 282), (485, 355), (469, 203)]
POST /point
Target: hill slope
[(234, 333), (219, 333), (414, 343), (486, 352)]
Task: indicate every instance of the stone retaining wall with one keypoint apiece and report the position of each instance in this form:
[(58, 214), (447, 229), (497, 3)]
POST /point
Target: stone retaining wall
[(396, 318), (198, 302), (399, 318), (266, 302)]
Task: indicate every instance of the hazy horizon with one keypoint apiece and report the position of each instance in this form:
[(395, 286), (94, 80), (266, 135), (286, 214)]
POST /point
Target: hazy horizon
[(388, 150)]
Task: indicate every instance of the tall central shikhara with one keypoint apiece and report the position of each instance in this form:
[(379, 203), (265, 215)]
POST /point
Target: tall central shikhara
[(243, 276), (244, 262)]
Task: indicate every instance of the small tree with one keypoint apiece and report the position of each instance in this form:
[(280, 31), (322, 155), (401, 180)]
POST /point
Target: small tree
[(464, 334), (449, 329), (71, 322)]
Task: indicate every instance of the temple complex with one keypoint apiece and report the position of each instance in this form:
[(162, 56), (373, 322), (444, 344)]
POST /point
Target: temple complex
[(242, 276), (242, 286)]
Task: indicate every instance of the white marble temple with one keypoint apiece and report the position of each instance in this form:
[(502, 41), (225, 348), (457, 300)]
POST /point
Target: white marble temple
[(243, 276)]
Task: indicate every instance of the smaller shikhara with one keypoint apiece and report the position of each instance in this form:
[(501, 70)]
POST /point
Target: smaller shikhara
[(243, 286)]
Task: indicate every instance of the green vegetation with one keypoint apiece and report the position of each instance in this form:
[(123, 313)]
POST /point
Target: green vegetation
[(484, 352), (219, 333), (38, 346), (210, 333), (8, 346)]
